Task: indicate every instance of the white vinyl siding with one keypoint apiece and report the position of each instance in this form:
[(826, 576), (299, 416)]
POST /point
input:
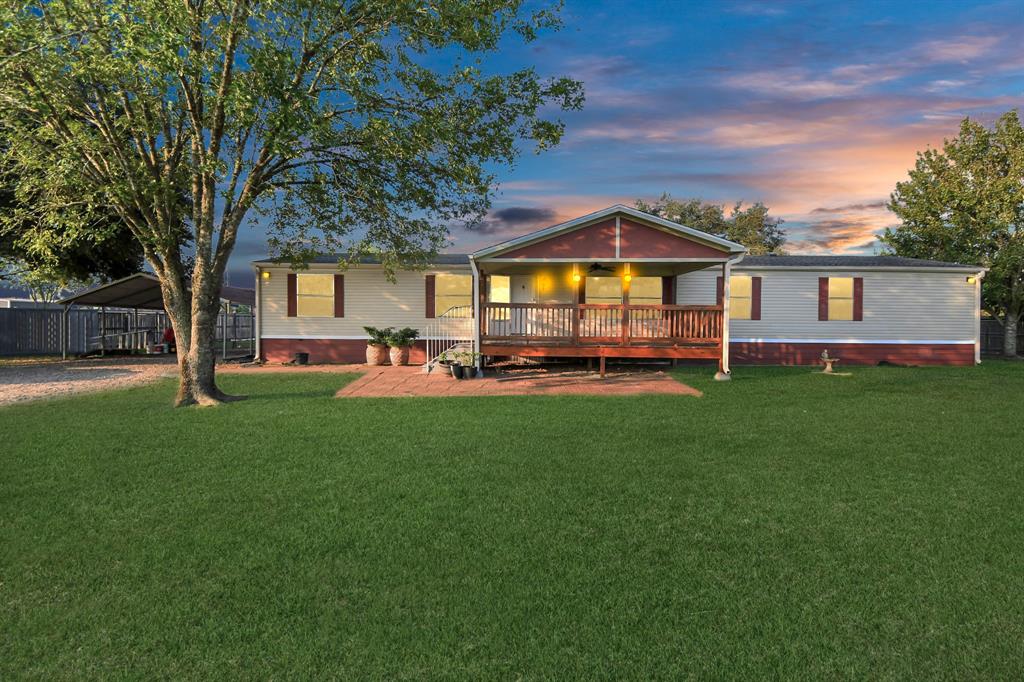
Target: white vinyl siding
[(898, 305), (370, 300)]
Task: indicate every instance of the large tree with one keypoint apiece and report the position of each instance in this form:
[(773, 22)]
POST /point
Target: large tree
[(354, 124), (752, 226), (965, 203), (41, 255)]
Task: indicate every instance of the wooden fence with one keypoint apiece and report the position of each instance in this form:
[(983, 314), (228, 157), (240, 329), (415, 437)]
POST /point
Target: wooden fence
[(37, 331)]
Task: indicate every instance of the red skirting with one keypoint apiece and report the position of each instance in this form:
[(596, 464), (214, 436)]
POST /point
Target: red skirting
[(329, 351), (353, 351), (746, 353)]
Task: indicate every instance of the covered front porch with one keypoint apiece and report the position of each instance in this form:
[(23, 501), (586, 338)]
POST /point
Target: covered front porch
[(594, 309), (603, 285)]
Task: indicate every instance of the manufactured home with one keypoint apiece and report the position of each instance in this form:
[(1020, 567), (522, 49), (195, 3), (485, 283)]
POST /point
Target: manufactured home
[(620, 283)]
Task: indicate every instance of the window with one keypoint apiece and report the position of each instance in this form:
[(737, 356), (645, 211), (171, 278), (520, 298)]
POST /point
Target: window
[(500, 289), (451, 291), (604, 290), (314, 295), (740, 297), (645, 291), (840, 298)]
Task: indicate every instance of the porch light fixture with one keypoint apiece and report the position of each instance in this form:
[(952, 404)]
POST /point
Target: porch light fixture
[(576, 277), (972, 279), (628, 277), (265, 274)]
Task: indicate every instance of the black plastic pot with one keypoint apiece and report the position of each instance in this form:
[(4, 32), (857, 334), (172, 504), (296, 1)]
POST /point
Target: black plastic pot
[(456, 370), (301, 359)]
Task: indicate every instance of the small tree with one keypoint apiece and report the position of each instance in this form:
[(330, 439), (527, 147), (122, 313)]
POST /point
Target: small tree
[(353, 125), (965, 204), (752, 226)]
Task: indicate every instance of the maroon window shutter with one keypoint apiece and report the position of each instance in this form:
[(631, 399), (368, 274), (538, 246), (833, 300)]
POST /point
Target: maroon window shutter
[(755, 298), (823, 298), (668, 290), (339, 295), (858, 299), (431, 285), (719, 291), (293, 305)]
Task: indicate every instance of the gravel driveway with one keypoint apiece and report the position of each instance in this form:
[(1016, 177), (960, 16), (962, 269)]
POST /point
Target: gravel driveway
[(19, 383)]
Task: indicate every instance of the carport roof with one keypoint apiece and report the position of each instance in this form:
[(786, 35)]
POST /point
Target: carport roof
[(142, 290)]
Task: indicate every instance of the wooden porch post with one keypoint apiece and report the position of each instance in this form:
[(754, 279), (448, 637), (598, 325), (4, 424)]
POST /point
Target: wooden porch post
[(479, 298), (723, 362), (575, 324), (625, 311)]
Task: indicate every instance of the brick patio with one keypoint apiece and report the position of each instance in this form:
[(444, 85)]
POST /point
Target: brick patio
[(391, 382)]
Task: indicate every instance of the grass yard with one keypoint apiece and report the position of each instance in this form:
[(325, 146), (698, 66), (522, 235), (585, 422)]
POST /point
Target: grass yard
[(785, 525)]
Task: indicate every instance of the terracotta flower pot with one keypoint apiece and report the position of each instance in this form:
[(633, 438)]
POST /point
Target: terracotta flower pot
[(376, 354), (400, 356)]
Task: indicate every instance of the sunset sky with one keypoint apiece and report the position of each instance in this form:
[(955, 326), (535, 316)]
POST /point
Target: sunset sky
[(814, 108)]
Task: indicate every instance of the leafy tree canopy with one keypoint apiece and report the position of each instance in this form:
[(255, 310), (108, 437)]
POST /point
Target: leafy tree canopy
[(965, 203), (349, 124), (752, 226)]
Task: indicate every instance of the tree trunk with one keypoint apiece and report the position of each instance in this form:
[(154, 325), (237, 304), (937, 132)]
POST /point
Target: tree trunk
[(195, 331), (1011, 324)]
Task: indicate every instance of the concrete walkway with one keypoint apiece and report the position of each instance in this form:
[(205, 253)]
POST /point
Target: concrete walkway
[(393, 382)]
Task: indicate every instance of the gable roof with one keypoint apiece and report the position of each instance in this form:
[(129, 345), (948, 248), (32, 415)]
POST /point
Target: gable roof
[(667, 225), (888, 262)]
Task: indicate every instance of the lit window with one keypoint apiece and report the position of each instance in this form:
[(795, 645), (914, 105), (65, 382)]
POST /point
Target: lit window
[(314, 295), (740, 295), (452, 291), (840, 298), (604, 290), (645, 291), (500, 289)]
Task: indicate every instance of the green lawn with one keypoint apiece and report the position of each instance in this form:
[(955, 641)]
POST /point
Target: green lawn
[(785, 525)]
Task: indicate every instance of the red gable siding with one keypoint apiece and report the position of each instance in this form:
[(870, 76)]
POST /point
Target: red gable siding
[(640, 241), (593, 241)]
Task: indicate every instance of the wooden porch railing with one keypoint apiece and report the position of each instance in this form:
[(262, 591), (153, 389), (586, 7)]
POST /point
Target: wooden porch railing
[(601, 324)]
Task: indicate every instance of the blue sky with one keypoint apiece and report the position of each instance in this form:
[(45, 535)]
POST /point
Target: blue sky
[(814, 108)]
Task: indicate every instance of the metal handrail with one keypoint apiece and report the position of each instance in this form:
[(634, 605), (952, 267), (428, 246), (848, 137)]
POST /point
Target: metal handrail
[(452, 328)]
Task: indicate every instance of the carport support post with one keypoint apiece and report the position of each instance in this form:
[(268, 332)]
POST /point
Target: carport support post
[(224, 333), (65, 331)]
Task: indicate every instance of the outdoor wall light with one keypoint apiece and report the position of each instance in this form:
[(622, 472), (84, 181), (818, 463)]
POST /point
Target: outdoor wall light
[(575, 276), (628, 277), (265, 274), (972, 279)]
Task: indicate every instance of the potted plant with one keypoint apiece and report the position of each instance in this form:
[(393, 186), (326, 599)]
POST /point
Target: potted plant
[(451, 363), (400, 342), (467, 361), (377, 345)]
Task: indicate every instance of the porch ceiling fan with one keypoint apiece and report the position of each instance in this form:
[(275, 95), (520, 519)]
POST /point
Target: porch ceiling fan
[(597, 267)]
